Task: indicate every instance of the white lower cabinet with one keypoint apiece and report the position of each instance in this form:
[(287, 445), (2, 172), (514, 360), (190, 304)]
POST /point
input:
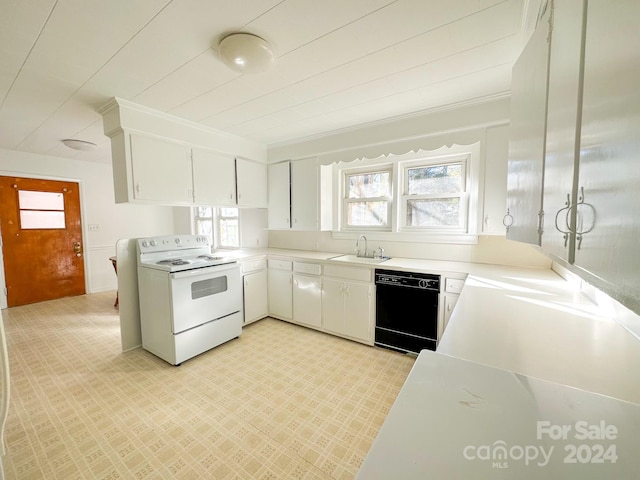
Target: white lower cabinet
[(307, 292), (348, 307), (280, 289), (254, 280)]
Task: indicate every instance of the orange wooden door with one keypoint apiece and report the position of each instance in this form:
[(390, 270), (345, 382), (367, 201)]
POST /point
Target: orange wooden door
[(41, 239)]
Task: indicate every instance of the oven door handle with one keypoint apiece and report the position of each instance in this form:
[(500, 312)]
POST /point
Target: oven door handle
[(205, 270)]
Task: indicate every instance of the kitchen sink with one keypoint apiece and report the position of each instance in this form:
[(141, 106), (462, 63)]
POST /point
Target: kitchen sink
[(357, 259)]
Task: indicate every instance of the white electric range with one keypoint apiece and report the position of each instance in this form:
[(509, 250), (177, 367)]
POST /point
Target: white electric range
[(190, 300)]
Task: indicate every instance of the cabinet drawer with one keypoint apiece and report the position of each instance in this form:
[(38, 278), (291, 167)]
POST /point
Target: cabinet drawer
[(280, 264), (308, 268), (254, 265), (453, 285), (350, 273)]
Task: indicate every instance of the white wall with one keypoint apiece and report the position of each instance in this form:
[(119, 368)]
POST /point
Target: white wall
[(486, 123), (113, 221)]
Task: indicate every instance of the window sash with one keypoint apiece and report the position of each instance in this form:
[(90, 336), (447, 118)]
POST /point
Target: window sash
[(371, 207), (407, 213)]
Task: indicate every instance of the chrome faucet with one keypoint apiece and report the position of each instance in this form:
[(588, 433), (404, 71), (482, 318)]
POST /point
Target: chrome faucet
[(361, 237)]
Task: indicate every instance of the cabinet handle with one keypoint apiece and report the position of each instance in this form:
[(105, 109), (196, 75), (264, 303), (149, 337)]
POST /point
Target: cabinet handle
[(507, 220), (580, 232), (565, 233), (138, 189)]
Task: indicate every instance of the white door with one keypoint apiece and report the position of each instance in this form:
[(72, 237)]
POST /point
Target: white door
[(307, 302), (214, 178), (279, 196), (357, 312), (280, 294), (161, 171), (251, 181), (256, 300)]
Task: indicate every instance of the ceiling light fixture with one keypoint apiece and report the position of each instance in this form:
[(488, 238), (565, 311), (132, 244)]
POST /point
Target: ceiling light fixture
[(246, 53), (82, 145)]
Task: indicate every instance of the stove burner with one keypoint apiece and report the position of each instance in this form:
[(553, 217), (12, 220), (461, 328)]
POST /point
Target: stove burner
[(180, 262), (209, 257), (168, 261)]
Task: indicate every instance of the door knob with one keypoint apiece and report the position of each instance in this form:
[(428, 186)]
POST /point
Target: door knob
[(77, 248)]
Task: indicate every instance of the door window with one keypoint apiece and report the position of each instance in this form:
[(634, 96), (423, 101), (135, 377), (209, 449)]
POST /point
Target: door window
[(41, 210)]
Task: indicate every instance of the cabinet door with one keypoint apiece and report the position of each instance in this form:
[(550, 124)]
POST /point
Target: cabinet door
[(256, 302), (307, 302), (495, 180), (304, 194), (161, 171), (561, 157), (279, 196), (280, 294), (214, 178), (449, 301), (609, 215), (527, 137), (333, 305), (358, 318), (251, 181)]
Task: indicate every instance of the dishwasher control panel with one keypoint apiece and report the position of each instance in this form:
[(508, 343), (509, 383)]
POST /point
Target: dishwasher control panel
[(424, 281)]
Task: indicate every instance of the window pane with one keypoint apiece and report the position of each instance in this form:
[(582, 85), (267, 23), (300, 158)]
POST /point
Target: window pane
[(204, 227), (436, 212), (35, 219), (204, 212), (367, 213), (229, 232), (29, 200), (228, 212), (368, 185), (435, 179)]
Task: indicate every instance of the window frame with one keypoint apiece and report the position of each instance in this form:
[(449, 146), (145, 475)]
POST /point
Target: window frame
[(214, 219), (345, 173), (405, 197), (474, 154)]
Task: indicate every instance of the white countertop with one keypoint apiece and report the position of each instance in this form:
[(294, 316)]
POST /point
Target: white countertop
[(521, 346), (529, 321), (452, 413)]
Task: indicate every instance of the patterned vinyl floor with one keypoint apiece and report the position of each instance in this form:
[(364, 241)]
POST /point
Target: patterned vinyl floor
[(280, 402)]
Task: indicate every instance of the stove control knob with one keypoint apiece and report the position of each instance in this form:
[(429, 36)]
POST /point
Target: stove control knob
[(178, 240), (153, 243), (145, 243)]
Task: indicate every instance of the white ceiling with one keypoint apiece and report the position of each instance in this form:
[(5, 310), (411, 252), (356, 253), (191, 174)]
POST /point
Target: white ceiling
[(339, 63)]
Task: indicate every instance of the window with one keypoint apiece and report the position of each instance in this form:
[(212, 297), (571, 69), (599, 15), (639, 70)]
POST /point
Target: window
[(41, 210), (434, 195), (221, 225), (367, 196), (426, 196)]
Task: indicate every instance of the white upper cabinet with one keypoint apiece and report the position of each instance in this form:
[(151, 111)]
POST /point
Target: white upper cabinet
[(251, 181), (311, 195), (495, 178), (300, 195), (160, 170), (160, 159), (527, 137), (214, 178), (608, 194), (562, 144), (279, 213)]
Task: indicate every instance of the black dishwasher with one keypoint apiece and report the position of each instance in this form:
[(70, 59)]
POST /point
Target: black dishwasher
[(406, 310)]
